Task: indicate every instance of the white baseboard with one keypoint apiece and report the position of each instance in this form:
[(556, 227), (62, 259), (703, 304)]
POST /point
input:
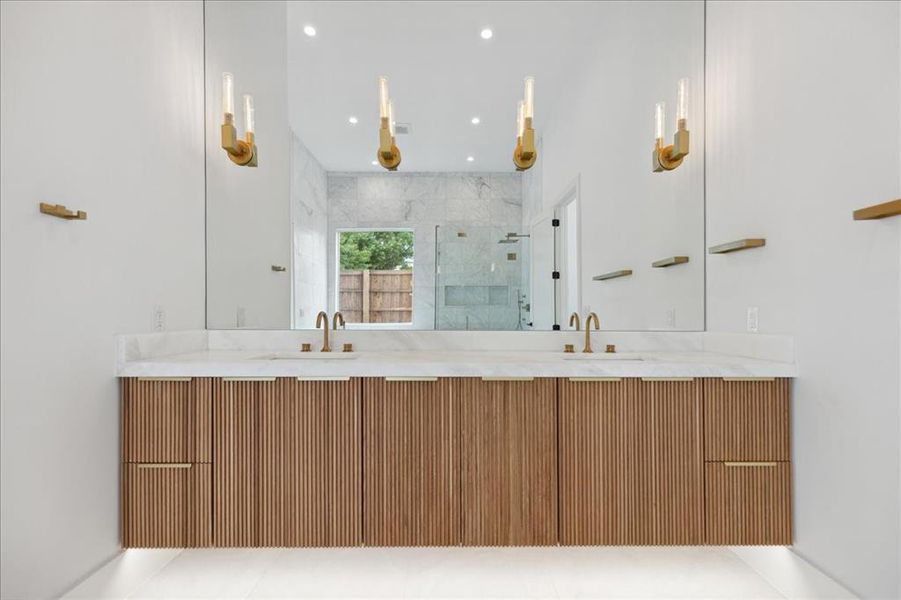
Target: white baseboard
[(791, 575)]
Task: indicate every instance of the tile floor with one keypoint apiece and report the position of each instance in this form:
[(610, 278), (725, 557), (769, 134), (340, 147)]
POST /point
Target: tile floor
[(622, 572)]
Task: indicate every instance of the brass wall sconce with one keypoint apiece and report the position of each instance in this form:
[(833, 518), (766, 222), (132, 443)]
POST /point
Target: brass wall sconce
[(241, 152), (667, 158), (388, 154), (524, 154)]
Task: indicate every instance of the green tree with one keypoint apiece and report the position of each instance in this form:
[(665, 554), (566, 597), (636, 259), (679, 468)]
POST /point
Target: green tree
[(376, 250)]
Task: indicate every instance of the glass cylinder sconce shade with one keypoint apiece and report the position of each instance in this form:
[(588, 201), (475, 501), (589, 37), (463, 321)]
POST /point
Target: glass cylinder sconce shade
[(383, 97), (682, 107), (248, 114), (529, 98), (228, 94), (659, 121)]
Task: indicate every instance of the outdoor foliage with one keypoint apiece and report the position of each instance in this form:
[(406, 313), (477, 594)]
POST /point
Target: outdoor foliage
[(376, 250)]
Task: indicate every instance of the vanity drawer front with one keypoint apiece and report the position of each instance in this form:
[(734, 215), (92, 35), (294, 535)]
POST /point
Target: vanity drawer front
[(166, 505), (166, 420), (748, 503), (746, 420)]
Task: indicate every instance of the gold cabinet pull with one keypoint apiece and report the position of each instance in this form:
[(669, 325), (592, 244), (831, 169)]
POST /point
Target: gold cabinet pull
[(411, 379), (164, 465), (508, 379), (732, 465)]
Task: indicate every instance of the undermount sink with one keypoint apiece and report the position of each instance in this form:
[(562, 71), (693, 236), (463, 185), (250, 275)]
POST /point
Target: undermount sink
[(307, 356), (602, 356)]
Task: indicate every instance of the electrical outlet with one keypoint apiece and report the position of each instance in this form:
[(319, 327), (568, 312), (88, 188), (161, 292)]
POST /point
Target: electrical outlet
[(753, 321), (159, 318), (671, 318), (240, 317)]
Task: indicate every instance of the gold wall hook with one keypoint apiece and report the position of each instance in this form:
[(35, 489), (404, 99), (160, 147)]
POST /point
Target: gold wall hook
[(61, 212)]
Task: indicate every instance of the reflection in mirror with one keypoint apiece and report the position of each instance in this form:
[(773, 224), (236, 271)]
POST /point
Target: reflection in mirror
[(512, 195)]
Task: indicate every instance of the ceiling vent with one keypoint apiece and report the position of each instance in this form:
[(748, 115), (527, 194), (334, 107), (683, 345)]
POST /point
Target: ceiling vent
[(403, 129)]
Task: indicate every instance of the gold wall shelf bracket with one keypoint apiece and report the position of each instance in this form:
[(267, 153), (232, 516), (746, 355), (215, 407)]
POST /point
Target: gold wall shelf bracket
[(891, 208), (669, 261), (61, 212), (745, 244), (612, 275)]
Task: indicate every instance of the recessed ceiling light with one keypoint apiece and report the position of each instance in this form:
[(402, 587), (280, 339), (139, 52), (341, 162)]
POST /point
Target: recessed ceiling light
[(486, 33), (309, 30), (470, 158), (352, 120), (375, 163), (475, 120)]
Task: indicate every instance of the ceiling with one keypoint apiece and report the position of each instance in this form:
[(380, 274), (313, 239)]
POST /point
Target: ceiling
[(441, 75)]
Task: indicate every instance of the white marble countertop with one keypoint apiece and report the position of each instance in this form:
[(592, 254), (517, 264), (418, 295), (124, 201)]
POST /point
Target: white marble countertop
[(453, 363)]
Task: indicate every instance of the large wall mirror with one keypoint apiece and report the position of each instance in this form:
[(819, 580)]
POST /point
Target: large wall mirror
[(456, 238)]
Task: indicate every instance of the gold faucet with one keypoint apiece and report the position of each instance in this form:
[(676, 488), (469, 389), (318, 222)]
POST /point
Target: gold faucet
[(574, 318), (597, 325), (337, 319), (322, 321)]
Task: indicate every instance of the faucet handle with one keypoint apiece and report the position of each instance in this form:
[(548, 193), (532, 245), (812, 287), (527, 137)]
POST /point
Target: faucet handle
[(306, 347), (569, 348)]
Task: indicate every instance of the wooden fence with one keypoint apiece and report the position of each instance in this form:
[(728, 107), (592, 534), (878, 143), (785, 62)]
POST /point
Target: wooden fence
[(376, 296)]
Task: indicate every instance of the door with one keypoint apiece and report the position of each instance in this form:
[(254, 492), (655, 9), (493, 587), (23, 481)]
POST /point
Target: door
[(630, 464), (411, 463), (509, 461), (287, 466)]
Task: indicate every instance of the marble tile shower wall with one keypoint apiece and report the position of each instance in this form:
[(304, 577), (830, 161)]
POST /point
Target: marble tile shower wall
[(309, 213), (453, 202)]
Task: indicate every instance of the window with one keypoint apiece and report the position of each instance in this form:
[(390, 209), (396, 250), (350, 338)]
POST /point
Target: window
[(375, 279)]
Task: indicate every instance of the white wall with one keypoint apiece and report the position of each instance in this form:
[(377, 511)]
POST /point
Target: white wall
[(603, 133), (803, 121), (309, 215), (248, 209), (102, 111)]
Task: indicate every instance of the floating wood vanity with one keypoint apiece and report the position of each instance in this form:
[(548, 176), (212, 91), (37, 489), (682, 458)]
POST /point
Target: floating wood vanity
[(375, 461)]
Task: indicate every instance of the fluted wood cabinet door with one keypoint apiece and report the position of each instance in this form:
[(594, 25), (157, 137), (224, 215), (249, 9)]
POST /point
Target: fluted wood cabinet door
[(411, 463), (509, 461), (630, 462), (165, 505), (746, 420), (286, 463), (166, 420)]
